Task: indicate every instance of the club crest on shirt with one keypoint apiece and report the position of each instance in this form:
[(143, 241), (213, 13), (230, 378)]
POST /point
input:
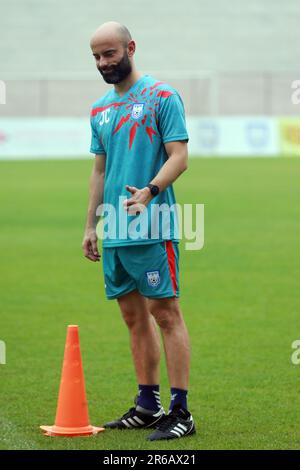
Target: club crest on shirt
[(137, 110), (153, 278)]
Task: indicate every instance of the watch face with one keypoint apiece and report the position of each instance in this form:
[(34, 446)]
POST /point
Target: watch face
[(154, 190)]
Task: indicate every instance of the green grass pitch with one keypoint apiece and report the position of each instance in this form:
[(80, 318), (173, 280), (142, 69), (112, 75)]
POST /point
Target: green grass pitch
[(240, 298)]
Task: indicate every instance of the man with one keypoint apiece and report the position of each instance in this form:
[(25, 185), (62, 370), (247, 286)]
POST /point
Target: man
[(139, 140)]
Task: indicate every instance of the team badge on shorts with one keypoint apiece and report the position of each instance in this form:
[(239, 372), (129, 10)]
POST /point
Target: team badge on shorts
[(153, 278), (137, 110)]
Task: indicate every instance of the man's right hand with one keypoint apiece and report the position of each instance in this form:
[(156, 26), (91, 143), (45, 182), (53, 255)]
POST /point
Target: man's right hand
[(89, 245)]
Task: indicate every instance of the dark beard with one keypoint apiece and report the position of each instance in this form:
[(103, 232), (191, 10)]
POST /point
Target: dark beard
[(119, 72)]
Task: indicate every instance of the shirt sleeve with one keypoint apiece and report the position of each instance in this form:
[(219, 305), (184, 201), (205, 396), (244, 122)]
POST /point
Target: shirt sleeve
[(171, 119), (96, 145)]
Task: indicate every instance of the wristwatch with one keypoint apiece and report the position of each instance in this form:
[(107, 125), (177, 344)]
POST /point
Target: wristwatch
[(154, 190)]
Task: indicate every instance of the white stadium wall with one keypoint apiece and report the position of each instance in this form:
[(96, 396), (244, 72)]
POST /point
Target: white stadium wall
[(50, 38), (233, 63), (70, 137)]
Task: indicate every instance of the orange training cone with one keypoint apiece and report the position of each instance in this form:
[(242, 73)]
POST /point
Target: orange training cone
[(72, 418)]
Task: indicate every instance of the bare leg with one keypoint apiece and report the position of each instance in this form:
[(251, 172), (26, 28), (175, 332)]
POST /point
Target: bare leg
[(168, 315), (144, 337)]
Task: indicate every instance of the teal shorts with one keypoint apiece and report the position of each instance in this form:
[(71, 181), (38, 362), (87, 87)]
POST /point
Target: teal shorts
[(152, 269)]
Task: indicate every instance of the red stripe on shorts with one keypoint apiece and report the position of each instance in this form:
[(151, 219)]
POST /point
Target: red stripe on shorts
[(172, 263)]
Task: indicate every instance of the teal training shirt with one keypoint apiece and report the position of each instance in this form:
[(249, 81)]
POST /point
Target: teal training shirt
[(131, 131)]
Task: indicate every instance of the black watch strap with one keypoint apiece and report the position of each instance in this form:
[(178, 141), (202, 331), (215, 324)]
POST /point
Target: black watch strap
[(153, 189)]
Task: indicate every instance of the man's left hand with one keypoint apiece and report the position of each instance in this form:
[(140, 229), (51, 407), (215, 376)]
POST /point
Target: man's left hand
[(138, 201)]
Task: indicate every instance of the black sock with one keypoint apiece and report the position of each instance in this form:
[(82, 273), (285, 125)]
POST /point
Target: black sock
[(149, 397), (178, 396)]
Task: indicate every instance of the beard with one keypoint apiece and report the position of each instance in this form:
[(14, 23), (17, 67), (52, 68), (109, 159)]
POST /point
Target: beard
[(117, 73)]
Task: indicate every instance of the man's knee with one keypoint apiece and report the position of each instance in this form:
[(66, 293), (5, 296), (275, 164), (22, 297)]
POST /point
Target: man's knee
[(131, 317), (134, 310), (166, 314)]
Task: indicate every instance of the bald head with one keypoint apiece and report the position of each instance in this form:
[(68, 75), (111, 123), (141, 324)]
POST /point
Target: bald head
[(113, 50), (111, 30)]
